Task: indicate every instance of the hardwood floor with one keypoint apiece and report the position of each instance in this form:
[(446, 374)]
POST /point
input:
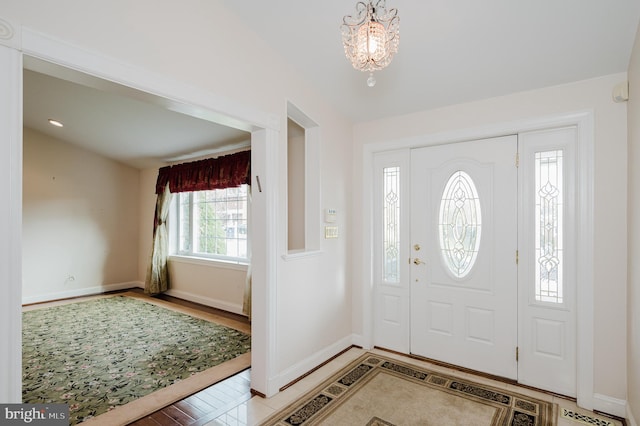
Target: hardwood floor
[(204, 406)]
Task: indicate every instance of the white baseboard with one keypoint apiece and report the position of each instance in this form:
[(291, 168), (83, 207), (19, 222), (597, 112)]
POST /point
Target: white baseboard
[(610, 405), (358, 340), (207, 301), (303, 367), (631, 421), (79, 292)]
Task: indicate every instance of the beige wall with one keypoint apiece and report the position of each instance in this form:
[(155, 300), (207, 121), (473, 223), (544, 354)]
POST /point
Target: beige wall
[(212, 285), (633, 304), (610, 262), (295, 186), (79, 220)]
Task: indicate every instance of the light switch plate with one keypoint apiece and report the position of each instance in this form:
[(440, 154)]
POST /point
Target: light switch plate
[(330, 232)]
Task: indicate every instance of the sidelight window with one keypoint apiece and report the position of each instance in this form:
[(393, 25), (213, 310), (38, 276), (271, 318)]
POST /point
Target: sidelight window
[(391, 224), (548, 226)]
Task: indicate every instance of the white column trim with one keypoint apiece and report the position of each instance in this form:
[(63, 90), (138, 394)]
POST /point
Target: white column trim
[(584, 122), (368, 180), (11, 224), (585, 252), (264, 193)]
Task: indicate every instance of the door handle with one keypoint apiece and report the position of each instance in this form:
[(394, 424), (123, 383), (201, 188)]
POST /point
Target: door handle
[(417, 261)]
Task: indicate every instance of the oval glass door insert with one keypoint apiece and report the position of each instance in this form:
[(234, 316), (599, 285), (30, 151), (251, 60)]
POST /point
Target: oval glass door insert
[(460, 224)]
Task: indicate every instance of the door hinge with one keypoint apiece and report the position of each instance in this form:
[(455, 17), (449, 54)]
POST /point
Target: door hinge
[(517, 353), (517, 256), (517, 159)]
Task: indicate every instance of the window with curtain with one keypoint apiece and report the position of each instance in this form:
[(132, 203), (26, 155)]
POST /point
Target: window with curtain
[(211, 224), (211, 212)]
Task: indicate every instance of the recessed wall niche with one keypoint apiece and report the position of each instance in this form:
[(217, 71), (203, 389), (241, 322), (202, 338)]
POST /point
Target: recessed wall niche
[(303, 182)]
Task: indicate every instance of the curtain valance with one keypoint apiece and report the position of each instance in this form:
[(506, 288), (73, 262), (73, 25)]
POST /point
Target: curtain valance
[(213, 173)]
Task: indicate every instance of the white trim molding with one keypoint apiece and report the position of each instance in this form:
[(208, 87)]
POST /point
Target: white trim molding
[(313, 361), (10, 224), (357, 340), (8, 35), (631, 421), (606, 404), (264, 226), (235, 308), (80, 292), (584, 122), (177, 96)]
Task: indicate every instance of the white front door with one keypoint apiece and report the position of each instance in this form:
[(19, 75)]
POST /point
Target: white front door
[(463, 244), (475, 259)]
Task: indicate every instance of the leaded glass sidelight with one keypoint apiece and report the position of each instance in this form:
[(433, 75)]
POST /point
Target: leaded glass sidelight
[(548, 226), (391, 225), (460, 224)]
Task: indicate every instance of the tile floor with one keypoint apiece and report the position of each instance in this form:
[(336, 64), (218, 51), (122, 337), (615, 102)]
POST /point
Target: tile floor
[(252, 411)]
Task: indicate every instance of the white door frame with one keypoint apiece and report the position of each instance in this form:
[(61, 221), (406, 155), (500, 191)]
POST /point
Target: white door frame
[(17, 41), (584, 121)]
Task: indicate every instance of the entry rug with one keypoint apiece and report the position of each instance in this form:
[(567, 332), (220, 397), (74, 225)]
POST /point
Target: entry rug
[(101, 354), (379, 391)]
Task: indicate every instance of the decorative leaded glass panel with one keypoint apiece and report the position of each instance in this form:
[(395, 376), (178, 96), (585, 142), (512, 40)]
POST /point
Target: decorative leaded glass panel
[(548, 226), (460, 224), (391, 225)]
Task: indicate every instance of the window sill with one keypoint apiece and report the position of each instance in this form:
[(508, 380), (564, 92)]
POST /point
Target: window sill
[(213, 263), (302, 254)]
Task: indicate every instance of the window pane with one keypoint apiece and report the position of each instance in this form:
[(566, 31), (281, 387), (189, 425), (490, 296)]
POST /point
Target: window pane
[(460, 224), (391, 224), (208, 228), (184, 221), (548, 226), (214, 223)]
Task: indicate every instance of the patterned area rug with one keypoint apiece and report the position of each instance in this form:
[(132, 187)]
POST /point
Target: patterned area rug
[(104, 353), (376, 391)]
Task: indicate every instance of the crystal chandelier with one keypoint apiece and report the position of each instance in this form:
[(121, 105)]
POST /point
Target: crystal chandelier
[(371, 37)]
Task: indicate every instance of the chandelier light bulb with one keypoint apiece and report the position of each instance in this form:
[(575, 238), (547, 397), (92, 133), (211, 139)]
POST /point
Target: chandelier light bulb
[(372, 39)]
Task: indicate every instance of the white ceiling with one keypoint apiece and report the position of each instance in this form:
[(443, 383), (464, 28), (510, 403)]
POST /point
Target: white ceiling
[(451, 51), (135, 132)]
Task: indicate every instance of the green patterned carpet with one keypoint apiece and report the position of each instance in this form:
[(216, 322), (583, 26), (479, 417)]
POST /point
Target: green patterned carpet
[(100, 354)]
